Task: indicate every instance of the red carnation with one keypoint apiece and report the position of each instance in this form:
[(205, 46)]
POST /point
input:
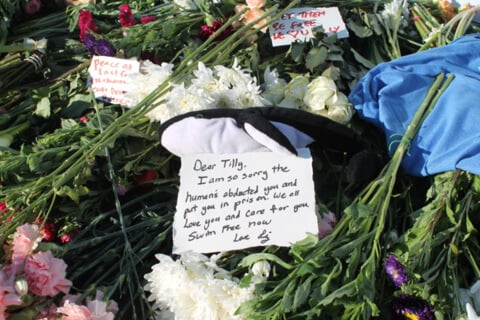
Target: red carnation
[(66, 238), (126, 16), (48, 232), (147, 19), (86, 23), (146, 176), (4, 209), (208, 31)]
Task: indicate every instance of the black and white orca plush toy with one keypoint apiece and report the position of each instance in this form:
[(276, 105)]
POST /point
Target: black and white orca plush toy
[(274, 129)]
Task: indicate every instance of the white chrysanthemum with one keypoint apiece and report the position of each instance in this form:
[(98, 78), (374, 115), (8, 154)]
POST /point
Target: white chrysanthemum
[(274, 86), (220, 87), (234, 76), (206, 80), (147, 79), (181, 100), (194, 287)]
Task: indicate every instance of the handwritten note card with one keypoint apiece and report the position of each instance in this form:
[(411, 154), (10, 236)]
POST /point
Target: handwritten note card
[(297, 25), (230, 202), (109, 78)]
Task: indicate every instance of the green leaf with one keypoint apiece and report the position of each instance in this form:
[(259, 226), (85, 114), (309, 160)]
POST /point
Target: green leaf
[(68, 123), (73, 193), (77, 105), (297, 51), (363, 61), (288, 296), (169, 29), (455, 249), (303, 292), (43, 108), (332, 72), (360, 31), (252, 258), (333, 274), (359, 210), (315, 57), (476, 184)]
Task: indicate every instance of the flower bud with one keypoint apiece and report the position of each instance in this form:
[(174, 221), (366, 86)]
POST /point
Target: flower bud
[(261, 268), (21, 286)]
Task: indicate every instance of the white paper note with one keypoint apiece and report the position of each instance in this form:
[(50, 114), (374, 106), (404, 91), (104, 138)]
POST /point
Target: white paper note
[(297, 25), (230, 202), (109, 78)]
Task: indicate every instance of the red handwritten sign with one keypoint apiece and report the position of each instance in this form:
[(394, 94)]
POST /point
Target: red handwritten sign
[(110, 78), (297, 25)]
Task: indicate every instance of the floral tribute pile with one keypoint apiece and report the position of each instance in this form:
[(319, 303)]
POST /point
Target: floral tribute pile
[(88, 194)]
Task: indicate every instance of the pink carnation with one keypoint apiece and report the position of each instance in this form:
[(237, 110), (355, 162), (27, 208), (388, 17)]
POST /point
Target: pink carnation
[(26, 239), (96, 309), (49, 313), (8, 296), (72, 311), (45, 274)]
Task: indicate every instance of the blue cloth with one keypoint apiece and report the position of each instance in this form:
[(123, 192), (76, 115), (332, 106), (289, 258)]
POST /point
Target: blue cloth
[(449, 138)]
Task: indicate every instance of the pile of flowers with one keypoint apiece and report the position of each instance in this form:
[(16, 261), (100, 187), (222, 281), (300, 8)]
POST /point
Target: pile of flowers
[(88, 194), (34, 285)]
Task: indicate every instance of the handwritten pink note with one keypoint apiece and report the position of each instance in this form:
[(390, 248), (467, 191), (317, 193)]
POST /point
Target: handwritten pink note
[(110, 78)]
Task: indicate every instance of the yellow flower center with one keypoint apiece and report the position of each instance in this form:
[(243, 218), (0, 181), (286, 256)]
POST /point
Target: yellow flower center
[(411, 316)]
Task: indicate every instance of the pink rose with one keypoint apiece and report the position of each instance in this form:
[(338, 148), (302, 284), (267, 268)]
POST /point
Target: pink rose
[(26, 239), (45, 274)]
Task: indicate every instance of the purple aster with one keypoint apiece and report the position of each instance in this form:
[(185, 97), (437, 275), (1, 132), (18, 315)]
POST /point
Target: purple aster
[(89, 42), (396, 271), (105, 48), (412, 308)]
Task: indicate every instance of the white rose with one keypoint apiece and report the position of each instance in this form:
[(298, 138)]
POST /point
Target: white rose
[(294, 92), (319, 91), (338, 109)]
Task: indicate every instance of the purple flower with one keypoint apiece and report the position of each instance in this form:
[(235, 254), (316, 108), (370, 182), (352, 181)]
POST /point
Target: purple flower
[(32, 7), (411, 307), (104, 48), (89, 42), (396, 271)]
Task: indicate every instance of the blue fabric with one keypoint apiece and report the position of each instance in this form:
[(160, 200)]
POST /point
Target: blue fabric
[(449, 138)]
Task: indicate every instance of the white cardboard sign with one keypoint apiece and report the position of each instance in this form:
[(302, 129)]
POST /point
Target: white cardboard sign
[(110, 78), (297, 24), (231, 202)]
